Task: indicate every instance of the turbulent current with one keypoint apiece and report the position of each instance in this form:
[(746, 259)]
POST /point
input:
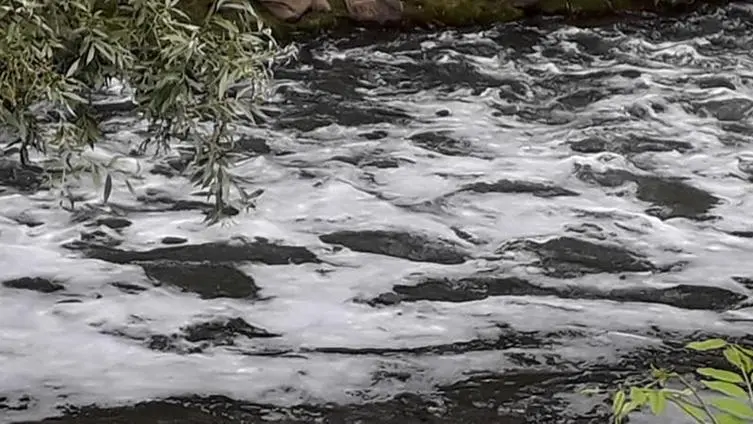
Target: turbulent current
[(456, 226)]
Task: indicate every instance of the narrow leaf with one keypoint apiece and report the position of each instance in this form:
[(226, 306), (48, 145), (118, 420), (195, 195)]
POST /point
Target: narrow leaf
[(629, 407), (692, 410), (746, 362), (734, 358), (710, 344), (73, 68), (618, 401), (108, 188), (728, 389), (738, 408), (725, 418), (658, 402), (130, 187), (638, 395), (721, 375), (745, 351)]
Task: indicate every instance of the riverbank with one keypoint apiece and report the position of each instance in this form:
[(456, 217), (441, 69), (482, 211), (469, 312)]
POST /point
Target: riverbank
[(300, 18)]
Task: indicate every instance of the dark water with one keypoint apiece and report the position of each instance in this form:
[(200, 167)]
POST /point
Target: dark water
[(456, 227)]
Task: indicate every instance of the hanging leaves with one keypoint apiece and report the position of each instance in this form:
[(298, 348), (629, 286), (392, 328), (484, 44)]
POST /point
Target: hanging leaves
[(183, 71)]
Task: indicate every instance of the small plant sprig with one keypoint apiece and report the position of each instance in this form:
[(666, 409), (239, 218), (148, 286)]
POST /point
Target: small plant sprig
[(733, 403)]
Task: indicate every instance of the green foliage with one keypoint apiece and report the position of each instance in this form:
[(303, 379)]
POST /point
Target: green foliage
[(184, 73), (732, 400)]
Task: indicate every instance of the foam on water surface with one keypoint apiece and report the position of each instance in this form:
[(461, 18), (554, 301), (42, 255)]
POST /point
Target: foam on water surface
[(493, 110)]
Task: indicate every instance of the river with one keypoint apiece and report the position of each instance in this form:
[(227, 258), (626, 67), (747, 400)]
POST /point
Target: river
[(455, 226)]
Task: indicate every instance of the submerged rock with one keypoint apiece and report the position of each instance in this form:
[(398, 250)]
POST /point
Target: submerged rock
[(728, 109), (16, 403), (96, 238), (568, 257), (196, 338), (128, 288), (20, 178), (469, 289), (671, 197), (208, 280), (113, 222), (628, 144), (224, 331), (250, 144), (377, 160), (258, 250), (42, 285), (158, 202), (518, 186), (682, 296), (443, 143), (480, 287), (414, 247), (173, 240)]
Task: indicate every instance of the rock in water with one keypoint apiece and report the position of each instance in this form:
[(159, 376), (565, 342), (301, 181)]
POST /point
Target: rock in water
[(410, 246), (380, 11), (292, 10), (37, 284), (209, 281)]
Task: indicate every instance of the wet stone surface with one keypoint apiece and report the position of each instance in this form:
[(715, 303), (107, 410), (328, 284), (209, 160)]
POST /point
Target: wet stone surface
[(196, 338), (173, 240), (568, 257), (442, 143), (413, 247), (114, 222), (42, 285), (129, 288), (515, 186), (258, 250), (208, 280), (671, 198), (626, 145), (471, 289), (16, 177)]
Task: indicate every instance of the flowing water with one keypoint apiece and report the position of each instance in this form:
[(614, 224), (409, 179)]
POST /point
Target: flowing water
[(458, 226)]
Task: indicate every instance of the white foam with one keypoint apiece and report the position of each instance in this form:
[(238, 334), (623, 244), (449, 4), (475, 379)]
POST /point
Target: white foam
[(50, 349)]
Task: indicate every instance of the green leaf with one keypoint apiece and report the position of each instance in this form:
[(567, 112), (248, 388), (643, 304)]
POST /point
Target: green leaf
[(738, 408), (629, 407), (744, 362), (721, 375), (73, 68), (728, 389), (658, 402), (695, 412), (733, 357), (745, 351), (639, 395), (710, 344), (725, 418), (618, 401)]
